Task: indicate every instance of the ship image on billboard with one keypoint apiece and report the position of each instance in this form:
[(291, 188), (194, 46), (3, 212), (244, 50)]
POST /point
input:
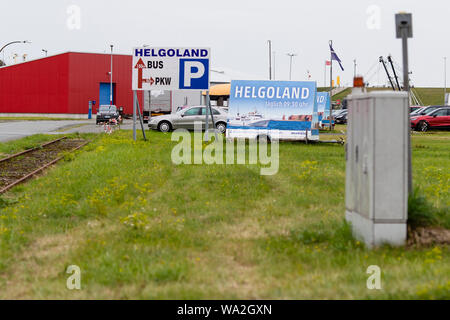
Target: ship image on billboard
[(286, 110)]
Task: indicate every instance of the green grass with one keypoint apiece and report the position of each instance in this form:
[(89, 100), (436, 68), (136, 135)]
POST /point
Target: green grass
[(429, 96), (141, 227)]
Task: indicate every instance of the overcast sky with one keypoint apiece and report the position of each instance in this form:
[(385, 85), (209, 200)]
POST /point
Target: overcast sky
[(237, 32)]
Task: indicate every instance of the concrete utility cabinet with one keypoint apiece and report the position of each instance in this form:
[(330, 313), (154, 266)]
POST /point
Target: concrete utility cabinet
[(377, 166)]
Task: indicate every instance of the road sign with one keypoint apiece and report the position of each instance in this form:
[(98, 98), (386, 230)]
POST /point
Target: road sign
[(171, 68)]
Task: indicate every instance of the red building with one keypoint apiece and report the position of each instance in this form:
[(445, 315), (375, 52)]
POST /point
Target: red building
[(64, 84)]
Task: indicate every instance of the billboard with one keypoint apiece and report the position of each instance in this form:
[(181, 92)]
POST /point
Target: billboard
[(171, 68), (288, 108), (323, 108)]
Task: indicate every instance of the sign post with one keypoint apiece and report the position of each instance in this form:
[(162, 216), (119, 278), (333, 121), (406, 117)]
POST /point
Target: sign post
[(169, 68), (403, 23), (209, 111)]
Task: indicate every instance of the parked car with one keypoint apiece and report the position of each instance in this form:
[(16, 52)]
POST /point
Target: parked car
[(186, 118), (426, 110), (417, 111), (341, 117), (106, 113), (435, 119), (334, 113), (414, 108)]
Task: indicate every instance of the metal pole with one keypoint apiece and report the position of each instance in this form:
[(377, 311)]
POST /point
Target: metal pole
[(270, 59), (111, 78), (207, 116), (290, 67), (445, 81), (140, 119), (291, 55), (212, 117), (406, 88), (274, 60), (331, 85), (354, 71), (134, 114)]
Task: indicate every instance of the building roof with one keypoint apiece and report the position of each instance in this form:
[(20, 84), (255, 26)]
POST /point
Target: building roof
[(218, 74)]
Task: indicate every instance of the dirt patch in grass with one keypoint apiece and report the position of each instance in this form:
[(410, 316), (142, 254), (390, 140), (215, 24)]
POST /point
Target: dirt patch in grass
[(428, 236)]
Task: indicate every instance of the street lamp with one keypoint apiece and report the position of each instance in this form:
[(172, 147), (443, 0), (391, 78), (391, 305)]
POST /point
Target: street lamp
[(445, 81), (45, 51), (111, 78), (12, 42), (270, 59), (291, 55)]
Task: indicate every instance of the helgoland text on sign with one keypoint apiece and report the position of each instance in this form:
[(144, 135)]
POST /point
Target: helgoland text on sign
[(171, 68)]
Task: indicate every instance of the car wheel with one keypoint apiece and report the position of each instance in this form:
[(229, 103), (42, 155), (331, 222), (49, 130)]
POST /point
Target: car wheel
[(221, 127), (423, 126), (164, 126)]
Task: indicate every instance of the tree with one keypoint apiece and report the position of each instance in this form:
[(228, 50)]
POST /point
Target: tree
[(2, 63)]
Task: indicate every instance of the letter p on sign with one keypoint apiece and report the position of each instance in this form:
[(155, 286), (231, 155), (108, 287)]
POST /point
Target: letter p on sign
[(194, 74)]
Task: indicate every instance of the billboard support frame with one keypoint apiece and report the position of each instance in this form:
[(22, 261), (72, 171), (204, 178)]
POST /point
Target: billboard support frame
[(209, 110), (137, 106)]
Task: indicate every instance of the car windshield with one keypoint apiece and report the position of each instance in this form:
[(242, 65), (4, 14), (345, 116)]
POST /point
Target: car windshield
[(427, 112), (417, 111), (108, 108)]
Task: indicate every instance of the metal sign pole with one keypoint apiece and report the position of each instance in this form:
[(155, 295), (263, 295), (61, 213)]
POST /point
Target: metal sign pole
[(331, 86), (140, 119), (207, 120), (212, 117), (134, 114)]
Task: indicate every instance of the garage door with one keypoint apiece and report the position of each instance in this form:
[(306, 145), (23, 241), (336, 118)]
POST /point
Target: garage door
[(104, 93)]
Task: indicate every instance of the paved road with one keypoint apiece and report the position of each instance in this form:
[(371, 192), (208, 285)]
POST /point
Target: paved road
[(12, 130)]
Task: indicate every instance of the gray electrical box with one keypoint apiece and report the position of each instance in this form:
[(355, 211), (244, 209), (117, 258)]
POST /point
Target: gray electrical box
[(377, 166)]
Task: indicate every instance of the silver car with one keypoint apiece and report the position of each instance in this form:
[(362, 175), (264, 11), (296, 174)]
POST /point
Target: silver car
[(187, 117)]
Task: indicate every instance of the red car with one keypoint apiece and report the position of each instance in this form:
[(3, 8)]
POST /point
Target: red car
[(435, 119)]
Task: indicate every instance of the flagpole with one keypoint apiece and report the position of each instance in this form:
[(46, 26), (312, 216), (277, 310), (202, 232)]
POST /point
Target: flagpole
[(331, 84)]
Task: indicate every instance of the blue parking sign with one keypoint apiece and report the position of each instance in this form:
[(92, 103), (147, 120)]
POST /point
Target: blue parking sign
[(194, 74)]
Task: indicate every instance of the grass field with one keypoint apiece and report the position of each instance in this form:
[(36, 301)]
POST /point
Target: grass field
[(139, 227), (429, 96)]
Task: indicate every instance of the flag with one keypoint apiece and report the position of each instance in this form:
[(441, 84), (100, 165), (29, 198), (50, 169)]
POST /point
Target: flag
[(328, 63), (335, 57)]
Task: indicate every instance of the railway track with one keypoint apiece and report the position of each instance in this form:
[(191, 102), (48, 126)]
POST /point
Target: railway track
[(21, 166)]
